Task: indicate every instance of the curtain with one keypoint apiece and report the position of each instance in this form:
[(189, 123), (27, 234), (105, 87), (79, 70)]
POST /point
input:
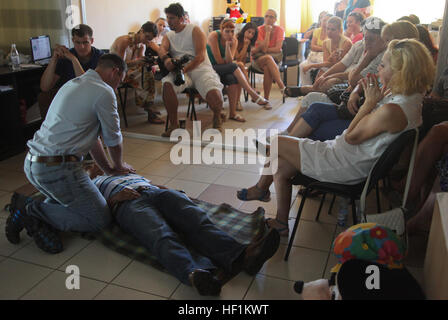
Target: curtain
[(306, 18), (22, 19)]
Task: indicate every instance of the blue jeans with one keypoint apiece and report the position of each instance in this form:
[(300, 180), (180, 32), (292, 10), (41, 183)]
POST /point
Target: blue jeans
[(73, 202), (163, 220), (324, 120)]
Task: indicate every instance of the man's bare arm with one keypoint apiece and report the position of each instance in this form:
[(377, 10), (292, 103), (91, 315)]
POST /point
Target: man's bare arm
[(199, 42)]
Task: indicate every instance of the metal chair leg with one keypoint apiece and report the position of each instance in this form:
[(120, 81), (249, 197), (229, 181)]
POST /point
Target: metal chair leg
[(331, 205), (355, 218), (296, 224), (320, 207), (378, 200), (123, 104)]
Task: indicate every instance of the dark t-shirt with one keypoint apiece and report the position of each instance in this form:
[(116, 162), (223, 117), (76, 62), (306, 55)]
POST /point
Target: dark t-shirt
[(65, 70)]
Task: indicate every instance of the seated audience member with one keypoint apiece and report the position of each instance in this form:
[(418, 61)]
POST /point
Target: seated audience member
[(309, 33), (355, 22), (335, 47), (188, 39), (187, 17), (67, 64), (430, 177), (395, 31), (412, 18), (426, 38), (221, 50), (246, 41), (162, 30), (267, 53), (339, 8), (361, 6), (131, 48), (316, 55), (84, 109), (405, 73), (165, 221), (441, 88), (371, 46)]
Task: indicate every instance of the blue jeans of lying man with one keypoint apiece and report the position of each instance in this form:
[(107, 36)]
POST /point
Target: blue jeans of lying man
[(165, 221)]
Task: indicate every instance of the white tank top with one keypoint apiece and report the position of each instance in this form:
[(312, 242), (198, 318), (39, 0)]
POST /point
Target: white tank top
[(182, 43)]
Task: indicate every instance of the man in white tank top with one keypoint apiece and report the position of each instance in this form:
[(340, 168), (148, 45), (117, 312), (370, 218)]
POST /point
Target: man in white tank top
[(188, 39)]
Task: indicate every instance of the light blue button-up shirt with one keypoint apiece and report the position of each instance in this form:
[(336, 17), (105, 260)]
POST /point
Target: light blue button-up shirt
[(82, 110)]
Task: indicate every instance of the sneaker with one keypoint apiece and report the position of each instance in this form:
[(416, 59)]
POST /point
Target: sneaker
[(259, 251), (45, 236), (15, 221), (205, 282)]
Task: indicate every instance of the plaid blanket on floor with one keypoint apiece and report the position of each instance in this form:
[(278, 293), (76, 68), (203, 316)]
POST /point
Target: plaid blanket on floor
[(242, 226)]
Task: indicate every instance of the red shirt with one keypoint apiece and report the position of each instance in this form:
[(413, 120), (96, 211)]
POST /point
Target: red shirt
[(357, 38), (277, 34)]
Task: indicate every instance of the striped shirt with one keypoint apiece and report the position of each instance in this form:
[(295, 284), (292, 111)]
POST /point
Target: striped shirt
[(111, 185)]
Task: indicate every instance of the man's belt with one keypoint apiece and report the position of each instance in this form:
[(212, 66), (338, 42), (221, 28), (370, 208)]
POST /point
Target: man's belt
[(53, 159)]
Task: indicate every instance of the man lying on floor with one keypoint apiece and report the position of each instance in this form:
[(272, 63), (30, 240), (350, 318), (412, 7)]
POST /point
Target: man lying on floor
[(159, 218)]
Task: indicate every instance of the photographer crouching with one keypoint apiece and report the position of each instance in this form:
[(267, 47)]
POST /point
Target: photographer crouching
[(131, 48), (188, 40)]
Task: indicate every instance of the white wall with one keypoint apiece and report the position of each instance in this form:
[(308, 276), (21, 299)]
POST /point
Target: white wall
[(112, 18)]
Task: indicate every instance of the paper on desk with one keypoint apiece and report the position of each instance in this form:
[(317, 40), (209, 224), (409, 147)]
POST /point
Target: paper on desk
[(6, 88)]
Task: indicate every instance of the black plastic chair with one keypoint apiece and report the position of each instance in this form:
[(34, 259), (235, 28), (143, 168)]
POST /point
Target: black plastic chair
[(123, 102), (291, 48), (353, 192), (192, 93)]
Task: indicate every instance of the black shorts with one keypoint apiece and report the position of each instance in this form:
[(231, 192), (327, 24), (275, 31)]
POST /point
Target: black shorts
[(225, 72)]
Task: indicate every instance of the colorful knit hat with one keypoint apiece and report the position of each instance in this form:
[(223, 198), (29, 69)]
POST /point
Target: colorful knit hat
[(369, 242)]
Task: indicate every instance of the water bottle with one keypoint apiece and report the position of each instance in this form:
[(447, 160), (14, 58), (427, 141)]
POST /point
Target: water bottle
[(15, 58), (343, 212)]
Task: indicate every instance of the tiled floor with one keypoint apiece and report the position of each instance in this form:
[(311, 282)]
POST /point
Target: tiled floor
[(28, 273)]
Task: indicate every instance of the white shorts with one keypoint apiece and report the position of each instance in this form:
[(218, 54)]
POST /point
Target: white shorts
[(203, 78)]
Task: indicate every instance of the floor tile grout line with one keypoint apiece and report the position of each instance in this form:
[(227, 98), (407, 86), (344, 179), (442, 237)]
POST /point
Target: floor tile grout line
[(130, 262), (330, 252), (133, 289), (39, 282), (177, 288), (275, 277), (248, 288)]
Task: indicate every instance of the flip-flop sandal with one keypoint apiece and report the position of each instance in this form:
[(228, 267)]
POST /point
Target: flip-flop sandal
[(284, 232), (263, 101), (265, 197), (154, 118), (237, 118)]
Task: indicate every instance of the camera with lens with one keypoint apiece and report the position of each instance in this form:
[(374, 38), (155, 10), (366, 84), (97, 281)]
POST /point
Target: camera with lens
[(179, 77)]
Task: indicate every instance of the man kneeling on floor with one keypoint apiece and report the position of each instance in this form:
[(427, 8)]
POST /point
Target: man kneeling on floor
[(159, 217), (84, 109)]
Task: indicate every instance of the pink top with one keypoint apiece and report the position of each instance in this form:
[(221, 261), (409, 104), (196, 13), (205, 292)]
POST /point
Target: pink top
[(277, 34)]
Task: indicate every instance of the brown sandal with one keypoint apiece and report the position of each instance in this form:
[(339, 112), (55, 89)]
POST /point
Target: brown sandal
[(237, 118)]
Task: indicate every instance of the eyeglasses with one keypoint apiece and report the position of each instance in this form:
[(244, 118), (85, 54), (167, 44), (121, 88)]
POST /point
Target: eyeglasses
[(269, 16)]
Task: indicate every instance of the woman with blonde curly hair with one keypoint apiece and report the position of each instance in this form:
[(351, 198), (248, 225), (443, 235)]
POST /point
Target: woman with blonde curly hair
[(392, 106)]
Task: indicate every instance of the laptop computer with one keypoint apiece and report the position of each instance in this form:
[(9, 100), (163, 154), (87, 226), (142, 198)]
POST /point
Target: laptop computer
[(41, 49)]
